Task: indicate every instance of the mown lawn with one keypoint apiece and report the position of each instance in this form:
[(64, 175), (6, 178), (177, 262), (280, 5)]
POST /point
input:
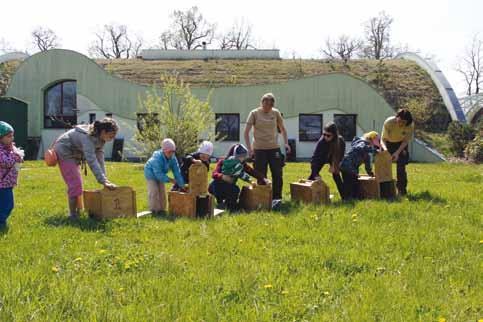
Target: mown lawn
[(418, 259)]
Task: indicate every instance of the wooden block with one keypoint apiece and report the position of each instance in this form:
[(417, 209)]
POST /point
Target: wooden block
[(105, 204), (190, 205), (310, 191), (369, 187), (198, 179), (256, 197), (383, 166), (388, 189)]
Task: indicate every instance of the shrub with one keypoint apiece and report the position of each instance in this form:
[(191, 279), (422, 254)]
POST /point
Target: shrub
[(459, 135), (474, 150), (176, 114)]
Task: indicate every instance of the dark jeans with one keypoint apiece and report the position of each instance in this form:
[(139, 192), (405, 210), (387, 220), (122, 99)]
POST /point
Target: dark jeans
[(402, 161), (6, 204), (339, 183), (350, 186), (274, 159), (225, 192)]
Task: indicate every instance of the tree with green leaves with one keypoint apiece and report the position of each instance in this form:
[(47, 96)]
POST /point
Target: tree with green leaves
[(175, 114)]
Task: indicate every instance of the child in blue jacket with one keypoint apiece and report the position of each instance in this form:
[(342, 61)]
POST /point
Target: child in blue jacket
[(360, 152), (156, 174)]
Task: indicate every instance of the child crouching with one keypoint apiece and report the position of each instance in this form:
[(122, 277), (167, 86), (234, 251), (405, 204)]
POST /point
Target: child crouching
[(360, 152), (156, 174), (202, 156), (9, 157)]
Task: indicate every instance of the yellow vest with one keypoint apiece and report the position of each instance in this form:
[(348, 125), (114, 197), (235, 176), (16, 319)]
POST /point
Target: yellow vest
[(393, 132)]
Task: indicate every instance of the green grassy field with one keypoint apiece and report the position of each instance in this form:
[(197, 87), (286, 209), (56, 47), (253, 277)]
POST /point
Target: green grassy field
[(417, 259)]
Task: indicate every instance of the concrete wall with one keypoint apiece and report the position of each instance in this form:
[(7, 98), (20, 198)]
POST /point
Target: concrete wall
[(158, 54)]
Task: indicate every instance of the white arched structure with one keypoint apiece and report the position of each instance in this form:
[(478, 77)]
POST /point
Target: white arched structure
[(444, 87)]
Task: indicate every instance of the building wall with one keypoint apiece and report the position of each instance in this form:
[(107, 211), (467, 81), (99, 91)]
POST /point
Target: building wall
[(173, 54), (102, 93)]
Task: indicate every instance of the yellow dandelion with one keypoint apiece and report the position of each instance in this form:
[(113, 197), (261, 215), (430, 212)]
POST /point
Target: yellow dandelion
[(441, 320), (354, 216), (78, 259), (55, 269), (284, 292), (102, 251), (481, 242), (268, 286)]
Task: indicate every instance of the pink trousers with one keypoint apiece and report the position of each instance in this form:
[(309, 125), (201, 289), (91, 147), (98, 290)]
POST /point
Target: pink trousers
[(71, 173)]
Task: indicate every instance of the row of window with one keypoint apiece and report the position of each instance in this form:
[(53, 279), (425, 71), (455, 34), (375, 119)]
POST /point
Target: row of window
[(60, 111), (310, 126)]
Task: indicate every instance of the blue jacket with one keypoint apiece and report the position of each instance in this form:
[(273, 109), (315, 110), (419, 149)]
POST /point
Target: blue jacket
[(358, 153), (158, 166)]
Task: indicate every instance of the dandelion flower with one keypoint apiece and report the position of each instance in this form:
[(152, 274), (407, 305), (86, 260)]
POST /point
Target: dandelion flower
[(268, 286)]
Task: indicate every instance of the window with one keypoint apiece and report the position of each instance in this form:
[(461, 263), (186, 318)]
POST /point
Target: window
[(228, 127), (145, 120), (109, 115), (346, 123), (310, 127), (60, 105), (92, 118)]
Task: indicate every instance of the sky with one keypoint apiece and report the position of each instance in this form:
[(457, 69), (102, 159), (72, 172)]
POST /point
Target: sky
[(441, 29)]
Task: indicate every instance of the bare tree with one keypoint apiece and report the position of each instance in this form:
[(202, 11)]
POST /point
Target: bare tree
[(189, 30), (238, 37), (470, 66), (45, 39), (165, 40), (114, 41), (377, 36), (344, 47)]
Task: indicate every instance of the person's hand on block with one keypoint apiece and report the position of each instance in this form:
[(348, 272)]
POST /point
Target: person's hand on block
[(395, 156), (110, 185)]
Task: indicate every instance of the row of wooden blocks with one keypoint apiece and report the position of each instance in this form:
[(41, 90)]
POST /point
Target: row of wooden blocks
[(197, 202)]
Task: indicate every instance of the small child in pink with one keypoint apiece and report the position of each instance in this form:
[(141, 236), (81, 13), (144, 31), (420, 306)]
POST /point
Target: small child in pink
[(10, 156)]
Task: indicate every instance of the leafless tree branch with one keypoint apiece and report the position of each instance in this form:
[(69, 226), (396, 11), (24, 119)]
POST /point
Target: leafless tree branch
[(45, 39)]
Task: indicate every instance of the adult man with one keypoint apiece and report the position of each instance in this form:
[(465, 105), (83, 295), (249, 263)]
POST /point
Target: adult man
[(266, 121), (397, 131)]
